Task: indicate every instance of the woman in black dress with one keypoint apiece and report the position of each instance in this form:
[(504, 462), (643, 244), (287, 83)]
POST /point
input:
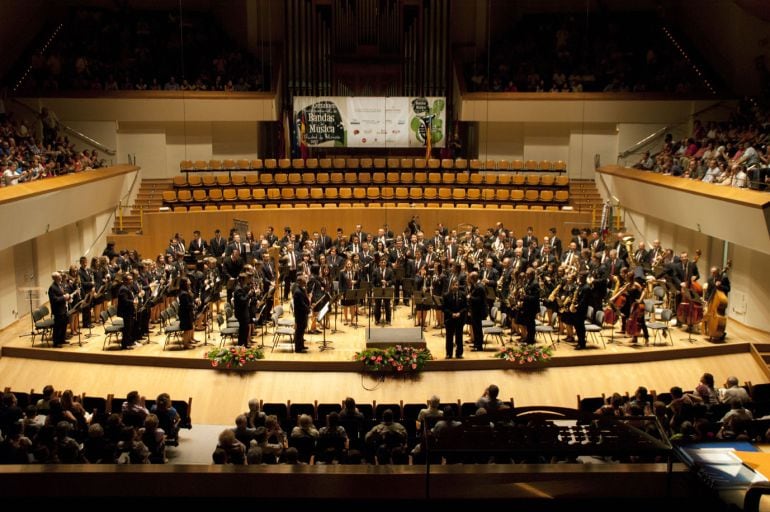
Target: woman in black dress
[(186, 312)]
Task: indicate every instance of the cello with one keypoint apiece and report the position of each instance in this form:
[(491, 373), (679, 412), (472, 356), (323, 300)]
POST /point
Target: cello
[(715, 319)]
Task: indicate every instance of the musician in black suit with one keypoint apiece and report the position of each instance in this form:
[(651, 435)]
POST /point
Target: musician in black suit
[(233, 266), (218, 244), (477, 303), (270, 236), (197, 245), (86, 276), (127, 311), (58, 300), (455, 307), (530, 237), (301, 312), (531, 306), (555, 243), (242, 295), (382, 278)]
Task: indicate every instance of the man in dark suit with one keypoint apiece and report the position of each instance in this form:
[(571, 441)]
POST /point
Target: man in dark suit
[(127, 311), (531, 305), (58, 300), (270, 236), (477, 303), (301, 312), (382, 278), (530, 237), (555, 243), (217, 244), (455, 307), (197, 245), (241, 298), (581, 311)]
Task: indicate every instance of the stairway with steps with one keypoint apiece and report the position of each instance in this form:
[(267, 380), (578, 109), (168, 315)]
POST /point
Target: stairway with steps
[(584, 196), (149, 197)]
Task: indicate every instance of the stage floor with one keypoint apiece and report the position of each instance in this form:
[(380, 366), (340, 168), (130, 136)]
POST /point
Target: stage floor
[(343, 342), (329, 376)]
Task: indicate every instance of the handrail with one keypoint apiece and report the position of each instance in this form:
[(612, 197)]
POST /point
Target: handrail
[(657, 133), (93, 142)]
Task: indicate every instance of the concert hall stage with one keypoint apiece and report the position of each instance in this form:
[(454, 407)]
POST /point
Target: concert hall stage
[(341, 359)]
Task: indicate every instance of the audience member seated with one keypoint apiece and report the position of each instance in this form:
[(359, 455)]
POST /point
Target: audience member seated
[(154, 439), (256, 418), (229, 450), (732, 391), (133, 410), (243, 433), (333, 442), (432, 411), (489, 400), (168, 418), (385, 438)]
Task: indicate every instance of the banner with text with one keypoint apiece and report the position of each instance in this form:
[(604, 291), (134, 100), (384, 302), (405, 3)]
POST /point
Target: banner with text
[(357, 122)]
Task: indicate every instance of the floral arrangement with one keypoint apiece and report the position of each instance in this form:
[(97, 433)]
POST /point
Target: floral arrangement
[(396, 359), (526, 354), (234, 357)]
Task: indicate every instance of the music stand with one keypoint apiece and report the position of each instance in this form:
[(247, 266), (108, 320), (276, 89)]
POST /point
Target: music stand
[(407, 287), (75, 310), (688, 296), (29, 290), (321, 314), (422, 299), (358, 295), (381, 294), (438, 302), (365, 287)]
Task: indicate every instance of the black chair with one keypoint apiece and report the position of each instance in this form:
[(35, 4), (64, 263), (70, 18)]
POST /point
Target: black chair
[(305, 446), (381, 408), (296, 410), (22, 398), (455, 408), (183, 409), (468, 409), (590, 404), (43, 325), (323, 410), (280, 411)]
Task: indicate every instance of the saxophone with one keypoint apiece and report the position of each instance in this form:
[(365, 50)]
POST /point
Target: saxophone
[(555, 293), (573, 300)]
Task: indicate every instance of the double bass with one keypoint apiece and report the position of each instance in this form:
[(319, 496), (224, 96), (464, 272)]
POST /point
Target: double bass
[(715, 319)]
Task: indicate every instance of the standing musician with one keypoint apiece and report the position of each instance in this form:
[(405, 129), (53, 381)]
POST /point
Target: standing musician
[(477, 304), (71, 283), (186, 313), (317, 290), (86, 277), (438, 287), (633, 310), (718, 280), (197, 245), (58, 300), (455, 307), (578, 309), (127, 311), (531, 306), (218, 244), (233, 267), (301, 312), (348, 281), (421, 284), (383, 278), (242, 295)]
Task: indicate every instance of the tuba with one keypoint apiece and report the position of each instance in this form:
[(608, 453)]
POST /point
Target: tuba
[(628, 241)]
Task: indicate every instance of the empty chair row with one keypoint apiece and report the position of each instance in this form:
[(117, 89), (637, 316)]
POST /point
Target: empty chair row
[(190, 166), (366, 178), (181, 207), (363, 194)]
